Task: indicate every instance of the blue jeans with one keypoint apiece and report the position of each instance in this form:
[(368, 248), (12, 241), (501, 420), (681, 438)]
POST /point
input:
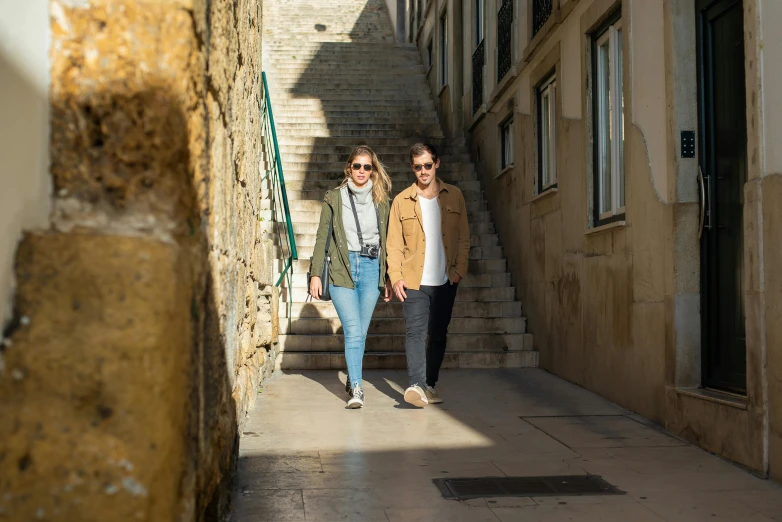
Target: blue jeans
[(355, 307)]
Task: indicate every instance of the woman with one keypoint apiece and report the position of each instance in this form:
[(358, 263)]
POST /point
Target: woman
[(359, 208)]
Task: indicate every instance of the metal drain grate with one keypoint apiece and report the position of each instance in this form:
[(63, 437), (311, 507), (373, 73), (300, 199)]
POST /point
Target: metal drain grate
[(558, 486)]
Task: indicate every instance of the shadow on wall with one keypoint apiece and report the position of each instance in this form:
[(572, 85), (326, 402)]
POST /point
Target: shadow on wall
[(114, 386), (317, 81)]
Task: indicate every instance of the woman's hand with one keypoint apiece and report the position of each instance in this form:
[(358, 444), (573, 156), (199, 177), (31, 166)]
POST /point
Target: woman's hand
[(389, 293), (316, 289)]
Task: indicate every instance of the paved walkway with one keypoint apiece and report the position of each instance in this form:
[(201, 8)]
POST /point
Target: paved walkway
[(304, 457)]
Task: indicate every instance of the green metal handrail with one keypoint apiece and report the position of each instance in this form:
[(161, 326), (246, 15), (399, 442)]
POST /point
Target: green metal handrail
[(281, 214)]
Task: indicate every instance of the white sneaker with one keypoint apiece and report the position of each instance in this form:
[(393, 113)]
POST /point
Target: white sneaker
[(356, 399), (416, 396), (432, 396)]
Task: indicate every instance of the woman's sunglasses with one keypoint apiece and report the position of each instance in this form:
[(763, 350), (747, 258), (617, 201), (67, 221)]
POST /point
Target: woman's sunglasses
[(367, 166), (427, 166)]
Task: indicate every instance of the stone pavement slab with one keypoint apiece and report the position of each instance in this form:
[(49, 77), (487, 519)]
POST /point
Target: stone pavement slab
[(304, 457)]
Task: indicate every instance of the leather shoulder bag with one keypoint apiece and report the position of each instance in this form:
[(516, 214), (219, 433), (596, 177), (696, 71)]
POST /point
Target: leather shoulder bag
[(324, 276)]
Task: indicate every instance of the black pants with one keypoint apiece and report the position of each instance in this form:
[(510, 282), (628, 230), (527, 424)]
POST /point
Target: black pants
[(427, 311)]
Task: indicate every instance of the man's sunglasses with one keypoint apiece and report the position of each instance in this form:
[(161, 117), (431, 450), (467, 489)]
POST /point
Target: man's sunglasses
[(427, 166), (367, 166)]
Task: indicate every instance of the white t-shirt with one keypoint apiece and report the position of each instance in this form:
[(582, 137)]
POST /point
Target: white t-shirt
[(435, 273)]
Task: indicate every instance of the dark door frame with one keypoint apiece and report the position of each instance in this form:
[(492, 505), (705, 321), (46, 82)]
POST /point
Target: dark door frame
[(707, 160)]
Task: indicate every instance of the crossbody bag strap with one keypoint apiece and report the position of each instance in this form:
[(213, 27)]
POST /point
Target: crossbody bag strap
[(377, 216), (351, 197)]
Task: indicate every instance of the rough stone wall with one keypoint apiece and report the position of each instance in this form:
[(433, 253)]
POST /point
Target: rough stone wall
[(145, 315)]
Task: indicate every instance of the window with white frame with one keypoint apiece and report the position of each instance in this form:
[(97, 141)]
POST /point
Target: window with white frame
[(547, 134), (443, 49), (609, 178), (506, 143)]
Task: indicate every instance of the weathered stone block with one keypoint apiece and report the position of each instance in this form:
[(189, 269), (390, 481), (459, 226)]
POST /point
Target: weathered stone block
[(94, 392)]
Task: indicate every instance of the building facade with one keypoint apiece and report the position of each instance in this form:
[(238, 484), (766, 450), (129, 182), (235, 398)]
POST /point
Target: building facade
[(627, 150)]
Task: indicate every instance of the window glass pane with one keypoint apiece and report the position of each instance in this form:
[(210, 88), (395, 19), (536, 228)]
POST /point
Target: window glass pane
[(478, 21), (506, 134), (510, 142), (552, 134), (544, 137), (620, 121), (444, 51), (508, 152), (503, 156), (604, 125)]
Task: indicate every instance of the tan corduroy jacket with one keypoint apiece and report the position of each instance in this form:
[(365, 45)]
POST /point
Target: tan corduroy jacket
[(406, 241)]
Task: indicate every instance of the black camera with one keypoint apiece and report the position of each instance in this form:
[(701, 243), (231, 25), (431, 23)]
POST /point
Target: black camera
[(370, 251)]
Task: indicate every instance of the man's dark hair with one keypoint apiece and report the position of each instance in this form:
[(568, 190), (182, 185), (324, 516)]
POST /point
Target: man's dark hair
[(421, 148)]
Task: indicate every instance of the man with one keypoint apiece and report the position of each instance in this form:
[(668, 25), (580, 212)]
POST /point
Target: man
[(428, 244)]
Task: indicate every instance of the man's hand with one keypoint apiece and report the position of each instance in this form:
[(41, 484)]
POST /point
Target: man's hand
[(316, 289), (388, 294), (399, 290), (457, 278)]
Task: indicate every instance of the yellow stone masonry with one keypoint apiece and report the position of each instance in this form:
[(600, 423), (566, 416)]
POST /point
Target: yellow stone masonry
[(146, 317)]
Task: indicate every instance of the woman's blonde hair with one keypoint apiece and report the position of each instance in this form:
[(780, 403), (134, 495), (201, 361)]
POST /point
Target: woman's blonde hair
[(381, 183)]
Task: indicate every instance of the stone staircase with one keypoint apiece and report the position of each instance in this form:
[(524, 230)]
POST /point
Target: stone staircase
[(337, 80)]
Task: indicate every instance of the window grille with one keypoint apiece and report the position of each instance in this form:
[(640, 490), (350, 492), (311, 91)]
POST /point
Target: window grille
[(541, 11), (504, 38)]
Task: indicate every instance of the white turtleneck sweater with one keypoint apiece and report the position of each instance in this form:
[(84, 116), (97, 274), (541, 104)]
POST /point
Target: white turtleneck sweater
[(367, 217)]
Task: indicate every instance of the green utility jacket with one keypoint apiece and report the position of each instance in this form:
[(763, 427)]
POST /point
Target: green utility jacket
[(340, 263)]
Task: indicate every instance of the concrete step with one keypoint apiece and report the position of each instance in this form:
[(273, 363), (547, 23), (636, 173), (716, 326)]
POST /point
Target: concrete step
[(395, 360), (470, 295), (476, 212), (316, 104), (407, 77), (386, 326), (340, 59), (393, 309), (470, 197), (289, 128), (339, 118), (310, 226), (396, 144), (498, 343), (336, 150), (304, 46), (334, 176), (471, 188), (475, 266), (308, 48), (483, 240), (497, 280), (358, 98), (483, 252), (335, 155), (358, 135), (312, 199), (291, 75), (358, 113)]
